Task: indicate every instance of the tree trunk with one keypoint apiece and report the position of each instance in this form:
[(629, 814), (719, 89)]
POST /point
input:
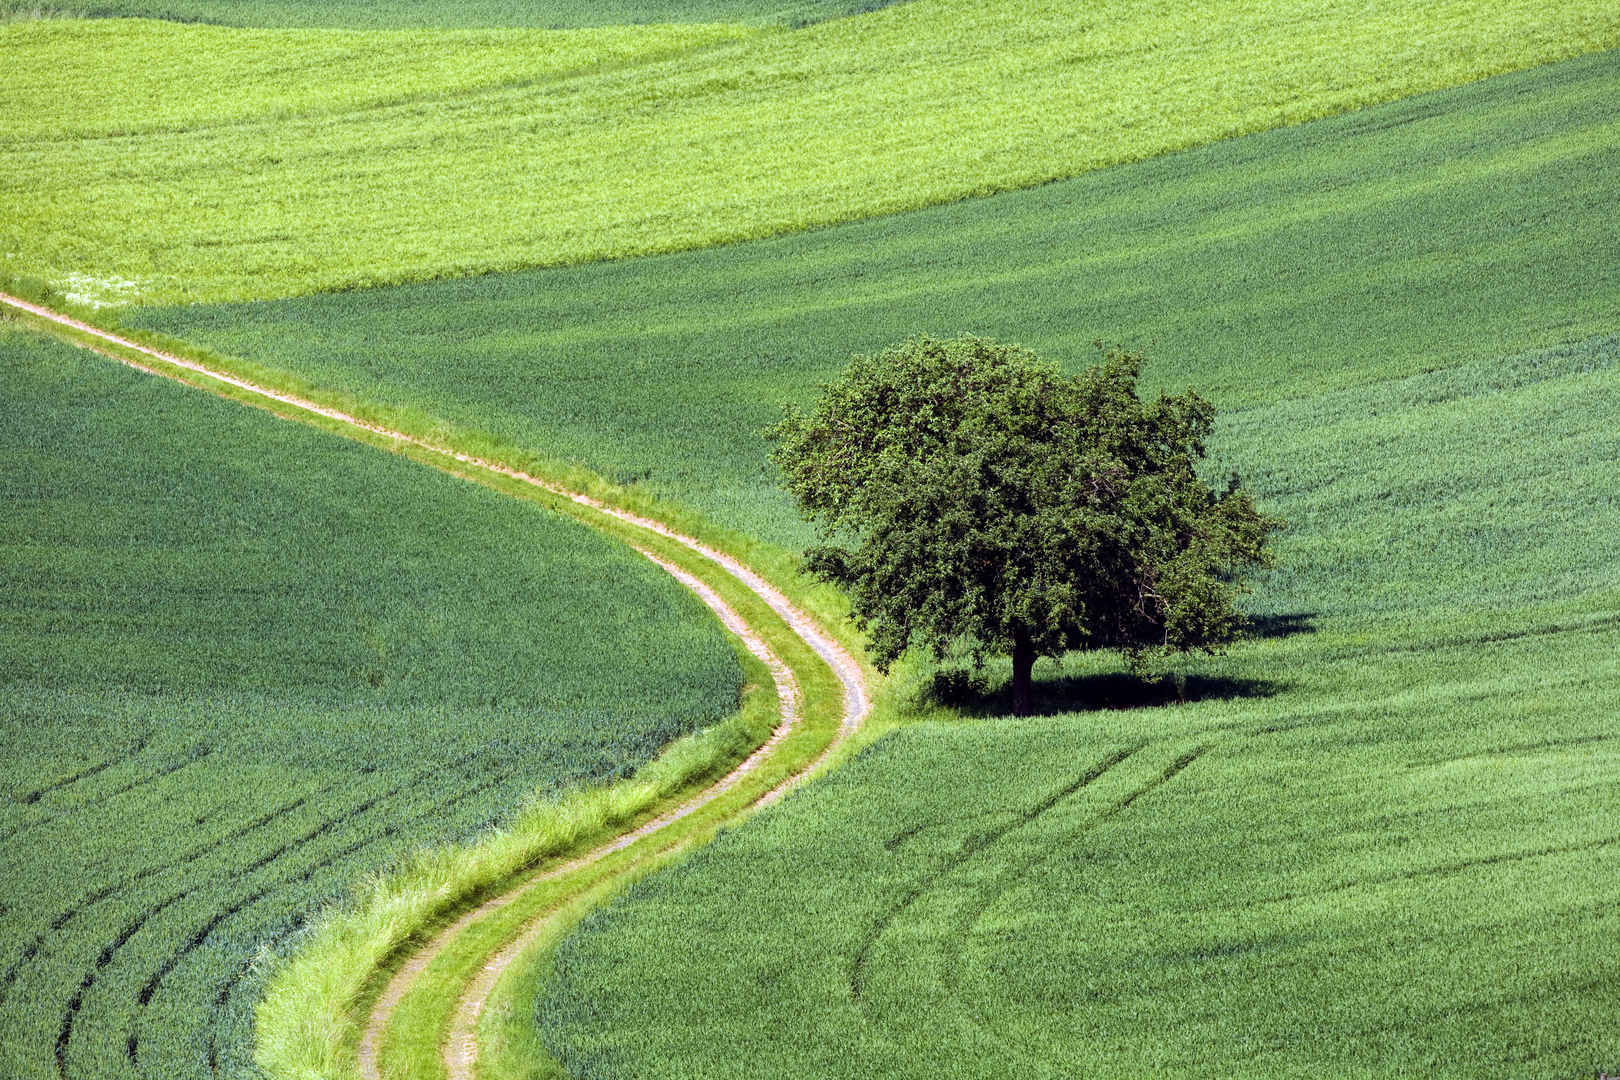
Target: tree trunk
[(1023, 658)]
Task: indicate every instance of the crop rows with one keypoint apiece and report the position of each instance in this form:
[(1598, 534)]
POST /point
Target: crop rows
[(505, 149), (1380, 840), (211, 734), (1269, 267), (1419, 878)]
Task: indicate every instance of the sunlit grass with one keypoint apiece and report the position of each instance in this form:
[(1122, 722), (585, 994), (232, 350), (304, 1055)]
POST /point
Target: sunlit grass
[(1450, 230), (283, 163)]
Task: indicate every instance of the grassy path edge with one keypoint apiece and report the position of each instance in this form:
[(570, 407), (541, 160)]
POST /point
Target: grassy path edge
[(409, 978), (311, 1008)]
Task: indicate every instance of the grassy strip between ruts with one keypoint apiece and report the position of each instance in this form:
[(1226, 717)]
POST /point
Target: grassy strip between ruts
[(307, 1021), (299, 184), (412, 1044), (509, 1041), (416, 1034)]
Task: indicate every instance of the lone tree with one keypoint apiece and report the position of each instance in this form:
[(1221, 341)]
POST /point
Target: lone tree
[(968, 492)]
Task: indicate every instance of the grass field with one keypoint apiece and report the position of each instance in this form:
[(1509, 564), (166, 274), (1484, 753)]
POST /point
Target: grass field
[(506, 149), (1444, 230), (446, 14), (1382, 841), (243, 665), (1401, 864), (242, 672)]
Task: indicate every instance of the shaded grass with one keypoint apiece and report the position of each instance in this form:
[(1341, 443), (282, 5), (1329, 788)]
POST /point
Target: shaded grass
[(246, 665), (1445, 231), (281, 191)]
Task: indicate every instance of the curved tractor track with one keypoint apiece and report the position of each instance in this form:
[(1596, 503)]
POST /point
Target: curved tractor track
[(459, 1049)]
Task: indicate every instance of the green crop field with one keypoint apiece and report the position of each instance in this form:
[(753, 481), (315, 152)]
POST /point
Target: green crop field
[(157, 179), (1380, 842), (1401, 863), (1383, 840), (246, 668), (1448, 229), (394, 14), (243, 665)]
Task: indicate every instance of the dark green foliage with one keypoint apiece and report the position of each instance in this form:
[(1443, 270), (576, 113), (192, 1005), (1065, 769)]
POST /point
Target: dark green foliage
[(1453, 228), (244, 664), (974, 492)]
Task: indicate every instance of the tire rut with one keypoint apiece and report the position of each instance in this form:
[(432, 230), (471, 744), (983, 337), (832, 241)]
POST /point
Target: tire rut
[(460, 1050)]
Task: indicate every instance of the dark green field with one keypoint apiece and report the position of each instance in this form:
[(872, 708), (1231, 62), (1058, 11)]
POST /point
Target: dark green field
[(1383, 840), (1445, 229), (243, 665)]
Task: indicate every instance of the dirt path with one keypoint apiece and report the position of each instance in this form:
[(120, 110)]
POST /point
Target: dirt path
[(460, 1049)]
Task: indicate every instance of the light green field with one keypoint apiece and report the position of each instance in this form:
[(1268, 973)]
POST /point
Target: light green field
[(558, 162), (393, 14)]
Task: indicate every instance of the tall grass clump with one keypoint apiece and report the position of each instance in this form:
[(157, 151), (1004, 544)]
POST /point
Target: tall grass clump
[(307, 1023)]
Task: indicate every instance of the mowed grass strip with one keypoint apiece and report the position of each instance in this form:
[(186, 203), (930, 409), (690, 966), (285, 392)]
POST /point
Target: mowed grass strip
[(919, 103), (1445, 231), (246, 665), (446, 14)]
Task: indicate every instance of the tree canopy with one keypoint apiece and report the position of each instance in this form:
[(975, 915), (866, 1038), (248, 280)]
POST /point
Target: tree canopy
[(967, 492)]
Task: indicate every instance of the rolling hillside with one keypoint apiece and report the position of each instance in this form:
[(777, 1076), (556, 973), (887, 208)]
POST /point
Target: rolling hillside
[(214, 163), (247, 664), (1454, 228), (244, 667)]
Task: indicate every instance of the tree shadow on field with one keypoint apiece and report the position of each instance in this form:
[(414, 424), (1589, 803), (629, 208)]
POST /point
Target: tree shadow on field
[(973, 693), (1269, 627)]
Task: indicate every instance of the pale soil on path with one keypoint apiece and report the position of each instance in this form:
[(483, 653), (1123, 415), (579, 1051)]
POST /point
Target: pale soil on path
[(460, 1049)]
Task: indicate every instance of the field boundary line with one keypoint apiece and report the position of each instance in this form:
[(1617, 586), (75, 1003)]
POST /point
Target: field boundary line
[(460, 1051)]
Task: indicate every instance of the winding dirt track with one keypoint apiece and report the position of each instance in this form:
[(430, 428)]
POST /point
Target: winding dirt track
[(460, 1049)]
